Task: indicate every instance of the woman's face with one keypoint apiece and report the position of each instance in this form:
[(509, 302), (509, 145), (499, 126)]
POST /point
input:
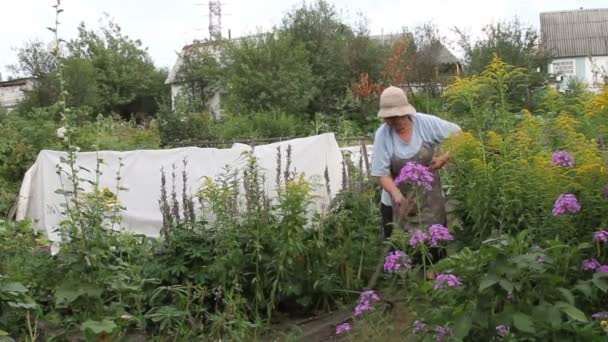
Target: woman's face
[(397, 122)]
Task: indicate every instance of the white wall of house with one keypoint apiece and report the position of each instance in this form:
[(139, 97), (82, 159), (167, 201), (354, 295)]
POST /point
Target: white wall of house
[(11, 95), (591, 70), (214, 105), (596, 70)]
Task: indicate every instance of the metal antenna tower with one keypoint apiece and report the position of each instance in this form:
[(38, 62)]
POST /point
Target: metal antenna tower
[(215, 20)]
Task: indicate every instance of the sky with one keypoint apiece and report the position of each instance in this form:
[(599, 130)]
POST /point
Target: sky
[(164, 26)]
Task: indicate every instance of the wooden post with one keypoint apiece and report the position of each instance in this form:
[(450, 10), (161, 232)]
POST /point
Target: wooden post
[(365, 159)]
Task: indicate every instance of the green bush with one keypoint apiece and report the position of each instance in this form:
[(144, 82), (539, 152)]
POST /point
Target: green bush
[(260, 125), (539, 291)]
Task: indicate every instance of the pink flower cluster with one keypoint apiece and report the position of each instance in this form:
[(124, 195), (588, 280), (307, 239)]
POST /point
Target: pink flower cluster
[(601, 236), (397, 261), (600, 315), (590, 265), (566, 203), (343, 328), (448, 280), (436, 234), (419, 327), (366, 301), (416, 174), (503, 330), (594, 265), (563, 158), (441, 333)]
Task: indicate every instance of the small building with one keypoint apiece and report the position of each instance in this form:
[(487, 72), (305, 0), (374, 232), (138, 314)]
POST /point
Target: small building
[(176, 82), (578, 44), (14, 91)]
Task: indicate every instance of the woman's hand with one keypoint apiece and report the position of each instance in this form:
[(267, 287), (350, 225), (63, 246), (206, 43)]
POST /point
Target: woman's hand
[(439, 162), (401, 205)]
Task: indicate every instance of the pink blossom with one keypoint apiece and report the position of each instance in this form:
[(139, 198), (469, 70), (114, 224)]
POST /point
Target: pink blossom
[(566, 203), (590, 265), (439, 233), (419, 237), (397, 261), (602, 269), (563, 158), (343, 328), (446, 279), (416, 174), (601, 236)]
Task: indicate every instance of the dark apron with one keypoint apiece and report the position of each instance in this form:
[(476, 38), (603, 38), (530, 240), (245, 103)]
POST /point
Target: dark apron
[(432, 203)]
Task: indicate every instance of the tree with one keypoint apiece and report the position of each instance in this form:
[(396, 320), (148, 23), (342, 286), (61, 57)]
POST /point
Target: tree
[(269, 72), (427, 42), (201, 75), (515, 43), (126, 79), (326, 39), (34, 60)]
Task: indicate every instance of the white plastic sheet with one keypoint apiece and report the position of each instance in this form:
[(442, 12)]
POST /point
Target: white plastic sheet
[(39, 201)]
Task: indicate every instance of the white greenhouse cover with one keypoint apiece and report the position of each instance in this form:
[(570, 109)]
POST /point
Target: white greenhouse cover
[(39, 201)]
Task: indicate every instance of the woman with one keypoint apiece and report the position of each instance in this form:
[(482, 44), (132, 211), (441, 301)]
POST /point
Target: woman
[(408, 136)]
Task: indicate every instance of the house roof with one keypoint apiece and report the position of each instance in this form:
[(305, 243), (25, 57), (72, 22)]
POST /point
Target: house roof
[(16, 82), (577, 33)]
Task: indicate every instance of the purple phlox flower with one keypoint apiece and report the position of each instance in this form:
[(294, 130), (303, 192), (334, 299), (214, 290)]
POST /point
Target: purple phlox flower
[(510, 296), (441, 333), (590, 265), (363, 307), (369, 295), (365, 302), (503, 330), (419, 327), (343, 328), (416, 174), (418, 238), (601, 236), (600, 315), (397, 261), (540, 260), (602, 269), (563, 158), (448, 280), (439, 233), (566, 203)]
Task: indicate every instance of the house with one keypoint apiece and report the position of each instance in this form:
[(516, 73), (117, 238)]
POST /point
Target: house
[(578, 43), (177, 84), (14, 91)]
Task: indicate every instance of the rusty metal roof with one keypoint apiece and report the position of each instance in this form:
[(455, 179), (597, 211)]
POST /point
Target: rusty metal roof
[(578, 33)]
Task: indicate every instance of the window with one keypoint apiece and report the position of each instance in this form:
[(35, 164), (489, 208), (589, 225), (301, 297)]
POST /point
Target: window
[(565, 68)]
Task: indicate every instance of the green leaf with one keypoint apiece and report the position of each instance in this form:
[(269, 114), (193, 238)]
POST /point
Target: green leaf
[(488, 281), (523, 322), (463, 326), (572, 312), (3, 333), (68, 292), (98, 327), (600, 283), (568, 296), (13, 288), (507, 285), (584, 288)]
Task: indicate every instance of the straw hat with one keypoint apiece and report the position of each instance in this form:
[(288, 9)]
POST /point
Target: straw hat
[(393, 102)]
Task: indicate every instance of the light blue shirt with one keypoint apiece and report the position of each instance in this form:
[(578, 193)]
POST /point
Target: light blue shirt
[(388, 145)]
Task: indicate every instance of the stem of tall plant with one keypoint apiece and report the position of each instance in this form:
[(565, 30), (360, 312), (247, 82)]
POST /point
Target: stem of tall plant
[(32, 331)]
